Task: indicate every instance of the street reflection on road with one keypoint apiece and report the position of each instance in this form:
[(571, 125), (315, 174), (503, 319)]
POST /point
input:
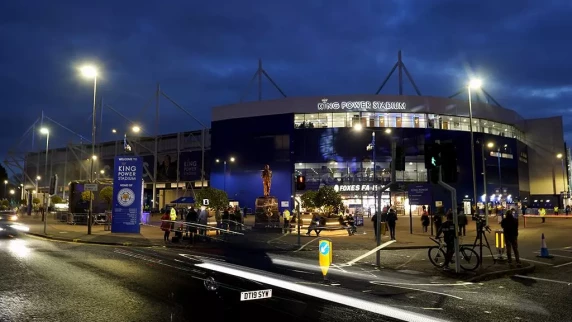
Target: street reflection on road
[(18, 248)]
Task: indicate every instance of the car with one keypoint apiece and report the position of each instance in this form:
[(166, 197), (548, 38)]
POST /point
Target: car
[(10, 223)]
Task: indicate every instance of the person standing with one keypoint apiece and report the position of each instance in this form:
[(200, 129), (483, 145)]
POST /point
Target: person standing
[(166, 226), (375, 228), (287, 217), (391, 221), (510, 230), (425, 219), (542, 213), (462, 221)]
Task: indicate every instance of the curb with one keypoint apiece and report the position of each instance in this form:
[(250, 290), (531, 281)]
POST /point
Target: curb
[(79, 241), (498, 274), (129, 244)]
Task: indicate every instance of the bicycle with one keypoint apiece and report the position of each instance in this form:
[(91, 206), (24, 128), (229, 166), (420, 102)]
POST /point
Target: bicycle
[(469, 258)]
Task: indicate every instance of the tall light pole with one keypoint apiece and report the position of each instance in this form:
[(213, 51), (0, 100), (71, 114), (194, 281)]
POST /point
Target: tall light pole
[(473, 84), (46, 132), (91, 72), (232, 159), (561, 157)]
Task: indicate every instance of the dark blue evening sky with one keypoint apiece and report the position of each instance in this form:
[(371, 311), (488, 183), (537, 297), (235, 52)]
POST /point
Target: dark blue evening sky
[(204, 53)]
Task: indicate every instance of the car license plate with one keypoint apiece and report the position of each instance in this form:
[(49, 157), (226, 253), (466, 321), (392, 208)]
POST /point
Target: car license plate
[(255, 295)]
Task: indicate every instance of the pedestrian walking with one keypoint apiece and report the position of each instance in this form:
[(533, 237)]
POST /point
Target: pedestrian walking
[(462, 221)]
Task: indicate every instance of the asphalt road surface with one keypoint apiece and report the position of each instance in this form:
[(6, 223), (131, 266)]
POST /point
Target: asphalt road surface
[(56, 281)]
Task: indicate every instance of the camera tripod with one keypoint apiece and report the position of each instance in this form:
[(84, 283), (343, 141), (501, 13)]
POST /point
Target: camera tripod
[(482, 229)]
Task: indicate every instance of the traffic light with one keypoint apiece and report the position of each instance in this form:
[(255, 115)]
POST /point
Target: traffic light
[(300, 182), (53, 184), (449, 170), (432, 155), (399, 159)]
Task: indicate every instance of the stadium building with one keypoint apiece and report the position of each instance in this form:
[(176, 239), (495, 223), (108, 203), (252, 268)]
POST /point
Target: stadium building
[(525, 159)]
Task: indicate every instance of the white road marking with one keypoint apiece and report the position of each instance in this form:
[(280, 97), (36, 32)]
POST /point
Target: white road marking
[(407, 261), (417, 289), (338, 267), (306, 244), (543, 279), (277, 238), (433, 308), (433, 284), (563, 256), (538, 262), (370, 252), (562, 264)]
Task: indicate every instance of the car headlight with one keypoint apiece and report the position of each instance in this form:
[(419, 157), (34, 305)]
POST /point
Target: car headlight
[(13, 217)]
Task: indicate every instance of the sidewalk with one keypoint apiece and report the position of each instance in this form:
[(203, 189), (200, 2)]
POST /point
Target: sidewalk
[(365, 238)]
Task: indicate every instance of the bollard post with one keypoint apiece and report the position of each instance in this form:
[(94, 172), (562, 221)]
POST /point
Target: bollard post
[(499, 243)]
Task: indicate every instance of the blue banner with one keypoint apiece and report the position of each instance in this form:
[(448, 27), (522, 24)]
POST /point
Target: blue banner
[(127, 194), (419, 194)]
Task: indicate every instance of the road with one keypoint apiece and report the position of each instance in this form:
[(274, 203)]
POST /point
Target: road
[(57, 281)]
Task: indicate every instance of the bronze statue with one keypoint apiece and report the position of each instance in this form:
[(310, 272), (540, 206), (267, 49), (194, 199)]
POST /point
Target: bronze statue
[(266, 180)]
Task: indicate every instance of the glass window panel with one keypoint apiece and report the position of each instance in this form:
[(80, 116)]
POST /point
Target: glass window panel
[(432, 121), (311, 120), (322, 120), (392, 119), (407, 120), (298, 120), (464, 124), (339, 119)]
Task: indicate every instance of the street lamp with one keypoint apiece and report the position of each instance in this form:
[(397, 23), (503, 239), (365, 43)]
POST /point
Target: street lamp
[(136, 129), (473, 84), (91, 72), (231, 159)]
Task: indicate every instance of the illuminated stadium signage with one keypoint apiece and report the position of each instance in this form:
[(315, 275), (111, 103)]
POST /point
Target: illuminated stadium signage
[(355, 187), (325, 105)]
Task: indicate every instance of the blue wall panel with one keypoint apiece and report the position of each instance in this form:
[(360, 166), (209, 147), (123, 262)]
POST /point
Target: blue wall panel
[(254, 142)]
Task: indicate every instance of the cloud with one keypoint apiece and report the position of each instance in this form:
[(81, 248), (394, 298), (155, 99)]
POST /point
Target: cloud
[(205, 54)]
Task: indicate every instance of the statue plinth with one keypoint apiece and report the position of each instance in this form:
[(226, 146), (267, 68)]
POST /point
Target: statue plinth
[(266, 213)]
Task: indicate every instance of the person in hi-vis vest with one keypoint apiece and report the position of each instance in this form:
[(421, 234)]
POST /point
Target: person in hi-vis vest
[(542, 213)]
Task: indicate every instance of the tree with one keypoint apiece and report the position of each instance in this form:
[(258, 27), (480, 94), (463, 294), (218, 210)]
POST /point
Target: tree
[(217, 198), (309, 199), (327, 198), (106, 194), (5, 204), (87, 196), (36, 201), (56, 199)]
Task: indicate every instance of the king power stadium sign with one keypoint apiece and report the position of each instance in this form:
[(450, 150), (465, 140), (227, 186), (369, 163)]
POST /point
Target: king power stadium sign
[(326, 105)]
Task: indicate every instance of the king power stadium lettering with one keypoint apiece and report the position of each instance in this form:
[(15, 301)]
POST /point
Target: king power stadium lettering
[(361, 105)]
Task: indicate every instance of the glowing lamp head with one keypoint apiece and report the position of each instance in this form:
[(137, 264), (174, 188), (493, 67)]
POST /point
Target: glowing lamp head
[(559, 155), (232, 159), (44, 130), (88, 71), (475, 84), (136, 129), (490, 145), (358, 127)]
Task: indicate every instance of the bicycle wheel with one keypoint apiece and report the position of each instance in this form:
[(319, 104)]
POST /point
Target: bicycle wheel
[(469, 259), (436, 256)]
